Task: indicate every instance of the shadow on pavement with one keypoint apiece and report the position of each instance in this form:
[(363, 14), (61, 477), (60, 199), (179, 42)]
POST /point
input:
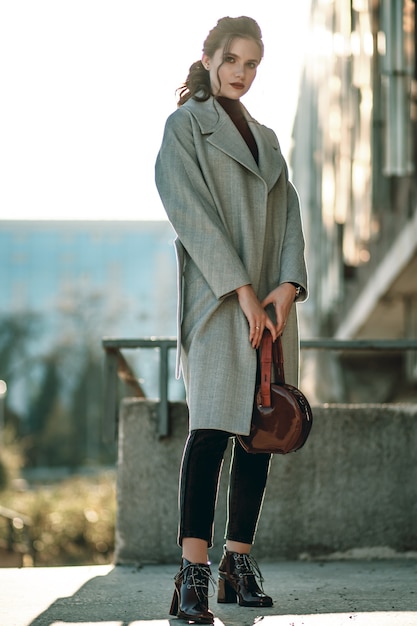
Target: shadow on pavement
[(352, 591)]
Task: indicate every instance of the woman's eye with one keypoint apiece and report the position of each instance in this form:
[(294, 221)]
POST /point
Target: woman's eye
[(229, 59)]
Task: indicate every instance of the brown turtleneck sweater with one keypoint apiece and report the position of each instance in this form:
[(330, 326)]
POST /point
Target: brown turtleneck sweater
[(234, 110)]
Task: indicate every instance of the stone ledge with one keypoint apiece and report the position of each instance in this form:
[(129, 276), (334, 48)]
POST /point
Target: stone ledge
[(353, 486)]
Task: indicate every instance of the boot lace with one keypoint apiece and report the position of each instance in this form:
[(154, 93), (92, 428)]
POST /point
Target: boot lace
[(197, 577), (246, 565)]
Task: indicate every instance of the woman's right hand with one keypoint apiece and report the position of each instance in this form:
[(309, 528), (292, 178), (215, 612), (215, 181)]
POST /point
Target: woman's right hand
[(257, 317)]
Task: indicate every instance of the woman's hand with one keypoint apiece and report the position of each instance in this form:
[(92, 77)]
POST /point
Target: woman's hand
[(282, 297), (257, 317)]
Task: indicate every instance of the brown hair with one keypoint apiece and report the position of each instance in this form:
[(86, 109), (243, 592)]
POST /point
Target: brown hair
[(226, 30)]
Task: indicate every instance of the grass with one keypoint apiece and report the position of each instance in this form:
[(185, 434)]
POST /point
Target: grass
[(72, 521)]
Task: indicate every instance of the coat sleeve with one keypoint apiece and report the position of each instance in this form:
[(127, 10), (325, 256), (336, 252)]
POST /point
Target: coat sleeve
[(191, 210), (293, 267)]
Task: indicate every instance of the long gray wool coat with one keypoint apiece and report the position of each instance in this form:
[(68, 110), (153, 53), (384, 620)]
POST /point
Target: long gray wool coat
[(236, 223)]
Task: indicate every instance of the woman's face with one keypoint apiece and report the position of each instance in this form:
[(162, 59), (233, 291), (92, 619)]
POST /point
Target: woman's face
[(232, 73)]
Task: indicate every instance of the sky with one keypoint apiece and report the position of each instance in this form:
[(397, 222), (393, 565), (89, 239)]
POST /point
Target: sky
[(86, 87)]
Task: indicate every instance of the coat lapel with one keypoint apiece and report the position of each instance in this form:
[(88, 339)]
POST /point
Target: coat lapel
[(214, 121), (227, 138), (271, 161)]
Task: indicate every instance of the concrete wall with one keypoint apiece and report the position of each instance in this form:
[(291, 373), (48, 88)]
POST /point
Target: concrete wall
[(353, 486)]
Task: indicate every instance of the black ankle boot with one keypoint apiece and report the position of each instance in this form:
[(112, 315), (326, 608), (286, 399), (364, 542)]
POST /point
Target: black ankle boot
[(237, 581), (190, 600)]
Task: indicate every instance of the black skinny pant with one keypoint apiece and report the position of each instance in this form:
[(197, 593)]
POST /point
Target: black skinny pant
[(199, 480)]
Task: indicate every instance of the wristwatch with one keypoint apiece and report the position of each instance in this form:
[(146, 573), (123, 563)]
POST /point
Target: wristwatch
[(298, 290)]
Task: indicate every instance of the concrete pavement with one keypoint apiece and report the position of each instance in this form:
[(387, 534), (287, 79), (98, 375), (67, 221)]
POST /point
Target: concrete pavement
[(329, 593)]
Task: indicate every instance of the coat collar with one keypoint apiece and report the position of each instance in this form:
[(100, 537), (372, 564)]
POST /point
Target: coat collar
[(222, 133)]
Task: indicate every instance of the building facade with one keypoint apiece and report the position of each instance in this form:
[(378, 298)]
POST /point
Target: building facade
[(354, 162)]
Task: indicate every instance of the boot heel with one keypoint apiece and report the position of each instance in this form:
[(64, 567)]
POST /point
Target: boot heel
[(237, 581), (225, 592), (174, 604)]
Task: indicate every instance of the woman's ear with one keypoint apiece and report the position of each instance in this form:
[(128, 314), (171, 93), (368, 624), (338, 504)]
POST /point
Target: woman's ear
[(205, 61)]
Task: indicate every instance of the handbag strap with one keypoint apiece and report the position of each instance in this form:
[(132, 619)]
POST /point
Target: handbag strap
[(278, 360), (271, 353)]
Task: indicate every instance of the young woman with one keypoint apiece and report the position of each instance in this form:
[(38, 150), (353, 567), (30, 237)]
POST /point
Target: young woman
[(240, 251)]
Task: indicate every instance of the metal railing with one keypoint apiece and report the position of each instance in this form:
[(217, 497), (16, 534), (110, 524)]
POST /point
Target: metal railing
[(117, 368)]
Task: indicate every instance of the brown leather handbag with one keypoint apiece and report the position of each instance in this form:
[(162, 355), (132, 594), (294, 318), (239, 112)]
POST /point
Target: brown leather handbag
[(282, 417)]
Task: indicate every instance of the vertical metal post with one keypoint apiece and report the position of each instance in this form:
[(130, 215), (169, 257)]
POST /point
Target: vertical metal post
[(163, 390), (397, 152), (111, 399), (410, 322), (3, 392)]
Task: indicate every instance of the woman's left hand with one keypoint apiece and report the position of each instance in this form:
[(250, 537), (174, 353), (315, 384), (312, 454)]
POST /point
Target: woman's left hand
[(282, 297)]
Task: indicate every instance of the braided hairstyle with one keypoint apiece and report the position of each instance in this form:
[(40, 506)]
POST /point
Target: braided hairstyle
[(226, 30)]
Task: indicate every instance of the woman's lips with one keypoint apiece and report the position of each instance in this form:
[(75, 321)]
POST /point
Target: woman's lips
[(237, 85)]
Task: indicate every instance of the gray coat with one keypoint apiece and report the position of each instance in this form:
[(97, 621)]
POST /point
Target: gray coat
[(236, 223)]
